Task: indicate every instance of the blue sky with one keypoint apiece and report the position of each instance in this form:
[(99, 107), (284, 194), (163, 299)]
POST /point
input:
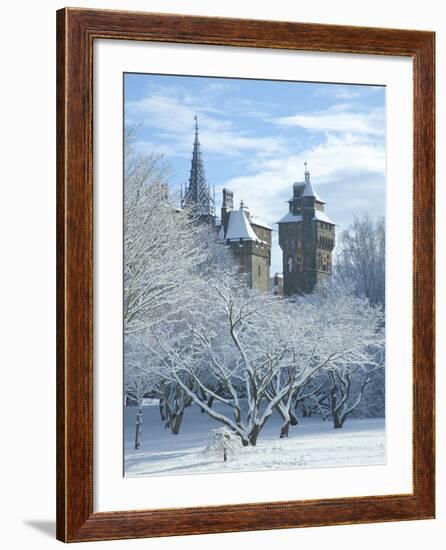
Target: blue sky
[(256, 135)]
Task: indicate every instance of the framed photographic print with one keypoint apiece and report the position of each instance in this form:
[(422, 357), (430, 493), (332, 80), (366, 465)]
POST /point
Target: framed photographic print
[(245, 275)]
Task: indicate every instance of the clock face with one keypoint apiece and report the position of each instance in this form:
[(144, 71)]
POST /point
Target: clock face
[(323, 262)]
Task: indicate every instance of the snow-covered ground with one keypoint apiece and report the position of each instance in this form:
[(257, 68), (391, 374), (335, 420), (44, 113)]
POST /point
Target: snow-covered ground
[(311, 444)]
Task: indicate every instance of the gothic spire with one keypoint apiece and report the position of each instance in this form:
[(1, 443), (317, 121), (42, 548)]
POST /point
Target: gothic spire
[(197, 195), (196, 125)]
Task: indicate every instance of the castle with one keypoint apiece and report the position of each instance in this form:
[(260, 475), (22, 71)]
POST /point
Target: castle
[(306, 234)]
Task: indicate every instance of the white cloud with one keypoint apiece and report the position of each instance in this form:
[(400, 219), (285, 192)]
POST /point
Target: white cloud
[(349, 91), (340, 118), (347, 173), (337, 159), (166, 112), (345, 94), (173, 116)]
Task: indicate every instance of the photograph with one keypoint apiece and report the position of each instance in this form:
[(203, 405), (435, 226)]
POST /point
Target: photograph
[(254, 274), (221, 235)]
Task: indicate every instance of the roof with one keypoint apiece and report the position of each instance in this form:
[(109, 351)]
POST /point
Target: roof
[(256, 221), (293, 218), (310, 192), (239, 227), (322, 217), (290, 218)]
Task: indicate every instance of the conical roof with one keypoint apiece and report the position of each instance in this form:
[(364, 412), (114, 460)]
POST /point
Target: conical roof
[(309, 189), (310, 192), (239, 227)]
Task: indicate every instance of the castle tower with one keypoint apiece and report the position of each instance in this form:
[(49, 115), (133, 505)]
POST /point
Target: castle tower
[(307, 240), (249, 240), (197, 195)]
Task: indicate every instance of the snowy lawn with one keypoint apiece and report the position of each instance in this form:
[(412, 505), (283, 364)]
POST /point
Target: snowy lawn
[(312, 444)]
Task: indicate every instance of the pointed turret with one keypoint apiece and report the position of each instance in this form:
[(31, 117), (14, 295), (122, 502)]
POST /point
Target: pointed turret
[(197, 195), (309, 189)]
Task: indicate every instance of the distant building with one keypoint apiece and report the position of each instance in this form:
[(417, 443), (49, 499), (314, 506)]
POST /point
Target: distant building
[(249, 240), (277, 284), (307, 240)]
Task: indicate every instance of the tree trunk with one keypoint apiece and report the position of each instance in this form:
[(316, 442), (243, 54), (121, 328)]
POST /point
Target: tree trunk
[(175, 424), (254, 435), (285, 429), (202, 396), (333, 407), (293, 419), (162, 406), (288, 417), (338, 420), (138, 429), (210, 401)]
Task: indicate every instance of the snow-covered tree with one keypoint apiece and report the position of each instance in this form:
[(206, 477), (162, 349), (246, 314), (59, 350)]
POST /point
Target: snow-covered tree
[(223, 443), (311, 399), (144, 378), (260, 350), (173, 403), (332, 331), (162, 245), (167, 256), (138, 383), (213, 347), (361, 347), (346, 387), (361, 258)]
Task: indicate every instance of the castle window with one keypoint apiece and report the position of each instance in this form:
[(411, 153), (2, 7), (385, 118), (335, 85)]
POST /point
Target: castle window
[(259, 271)]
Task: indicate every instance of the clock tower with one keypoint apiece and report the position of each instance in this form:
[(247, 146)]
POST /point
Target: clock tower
[(307, 240)]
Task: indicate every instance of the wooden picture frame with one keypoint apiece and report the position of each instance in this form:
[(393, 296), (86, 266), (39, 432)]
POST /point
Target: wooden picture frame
[(77, 29)]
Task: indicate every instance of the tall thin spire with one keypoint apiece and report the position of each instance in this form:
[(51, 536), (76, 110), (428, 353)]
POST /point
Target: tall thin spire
[(197, 194)]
